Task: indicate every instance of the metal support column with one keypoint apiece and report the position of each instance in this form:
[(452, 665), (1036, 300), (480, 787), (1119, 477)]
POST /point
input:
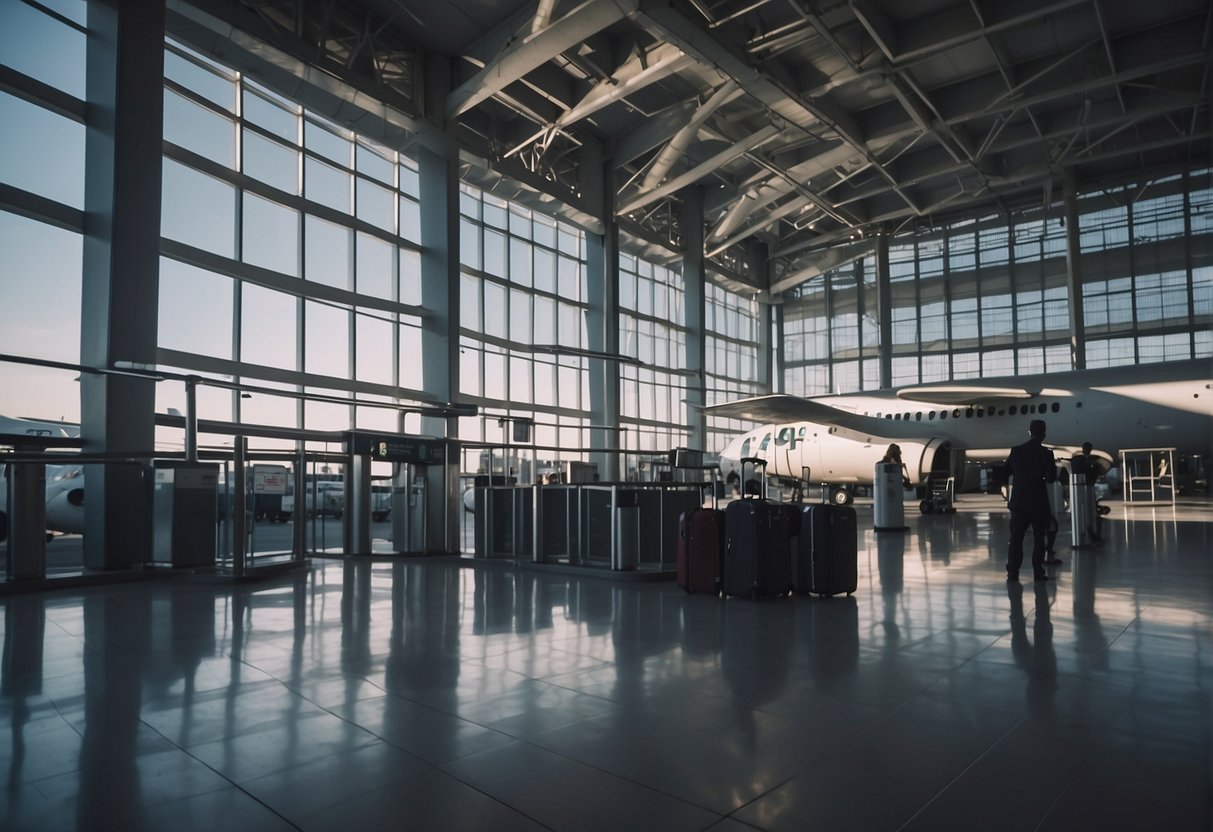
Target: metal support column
[(299, 509), (884, 303), (693, 277), (120, 274), (239, 507), (356, 531), (1078, 338)]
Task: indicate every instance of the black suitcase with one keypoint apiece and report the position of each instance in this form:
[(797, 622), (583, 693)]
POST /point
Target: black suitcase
[(826, 560), (756, 562)]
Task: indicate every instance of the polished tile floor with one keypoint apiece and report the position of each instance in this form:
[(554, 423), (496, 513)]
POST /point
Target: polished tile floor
[(426, 695)]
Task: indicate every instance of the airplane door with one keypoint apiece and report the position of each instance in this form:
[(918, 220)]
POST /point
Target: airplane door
[(783, 457)]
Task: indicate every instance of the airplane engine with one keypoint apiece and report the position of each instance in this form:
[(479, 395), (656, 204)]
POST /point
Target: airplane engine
[(65, 512)]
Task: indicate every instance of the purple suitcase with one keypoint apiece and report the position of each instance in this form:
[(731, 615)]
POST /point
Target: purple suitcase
[(700, 550)]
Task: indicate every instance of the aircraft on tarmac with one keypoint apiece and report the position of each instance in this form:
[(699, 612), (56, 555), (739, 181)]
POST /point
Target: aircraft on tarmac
[(64, 483), (940, 425)]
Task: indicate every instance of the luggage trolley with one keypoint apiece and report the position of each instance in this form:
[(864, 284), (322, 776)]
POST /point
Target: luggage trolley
[(940, 495)]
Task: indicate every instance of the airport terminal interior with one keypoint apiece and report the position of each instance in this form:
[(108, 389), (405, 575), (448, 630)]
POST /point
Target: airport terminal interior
[(359, 358)]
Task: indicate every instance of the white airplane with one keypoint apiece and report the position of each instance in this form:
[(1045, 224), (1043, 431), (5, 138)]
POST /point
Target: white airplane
[(64, 483), (840, 438)]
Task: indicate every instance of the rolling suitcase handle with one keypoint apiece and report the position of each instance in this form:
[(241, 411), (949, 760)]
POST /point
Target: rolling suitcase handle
[(757, 464)]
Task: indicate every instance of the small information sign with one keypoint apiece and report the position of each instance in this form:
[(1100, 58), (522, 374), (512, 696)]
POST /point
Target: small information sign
[(269, 479)]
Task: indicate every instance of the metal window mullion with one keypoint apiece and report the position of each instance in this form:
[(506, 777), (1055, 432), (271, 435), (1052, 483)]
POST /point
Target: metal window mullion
[(1187, 212), (1132, 246)]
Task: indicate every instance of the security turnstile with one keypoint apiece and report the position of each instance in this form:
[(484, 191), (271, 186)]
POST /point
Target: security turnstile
[(425, 492)]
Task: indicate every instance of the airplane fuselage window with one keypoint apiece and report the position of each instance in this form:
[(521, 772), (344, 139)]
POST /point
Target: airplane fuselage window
[(918, 416), (1012, 409), (956, 413), (1056, 407), (969, 413), (931, 416)]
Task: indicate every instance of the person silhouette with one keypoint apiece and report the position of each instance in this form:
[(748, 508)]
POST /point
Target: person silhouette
[(1032, 466)]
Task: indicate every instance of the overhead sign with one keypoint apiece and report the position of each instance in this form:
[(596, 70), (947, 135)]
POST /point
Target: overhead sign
[(392, 447), (409, 449)]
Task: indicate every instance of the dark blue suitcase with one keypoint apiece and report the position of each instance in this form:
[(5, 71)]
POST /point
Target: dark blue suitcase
[(826, 559), (756, 562)]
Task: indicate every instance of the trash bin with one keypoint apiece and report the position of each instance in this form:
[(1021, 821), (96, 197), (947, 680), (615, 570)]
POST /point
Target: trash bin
[(888, 496)]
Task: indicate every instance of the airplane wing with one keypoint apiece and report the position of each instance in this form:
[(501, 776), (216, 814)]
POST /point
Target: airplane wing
[(963, 394), (781, 407)]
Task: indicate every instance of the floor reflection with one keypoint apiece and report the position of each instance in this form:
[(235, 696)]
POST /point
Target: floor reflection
[(413, 691)]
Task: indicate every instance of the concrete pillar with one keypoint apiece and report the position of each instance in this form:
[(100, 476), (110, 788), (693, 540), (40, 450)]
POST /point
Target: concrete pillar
[(884, 303), (693, 277), (125, 70), (760, 261), (1078, 338), (438, 179), (602, 281)]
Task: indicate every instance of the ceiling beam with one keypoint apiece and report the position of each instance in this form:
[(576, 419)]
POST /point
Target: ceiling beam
[(701, 170), (534, 50), (678, 144)]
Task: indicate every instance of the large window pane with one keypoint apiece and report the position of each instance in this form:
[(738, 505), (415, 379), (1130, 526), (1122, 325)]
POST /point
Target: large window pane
[(327, 340), (374, 349), (327, 185), (411, 369), (327, 252), (410, 219), (199, 129), (410, 277), (41, 47), (327, 143), (494, 310), (43, 152), (376, 204), (376, 268), (198, 210), (374, 163), (268, 327), (271, 235), (40, 267), (276, 117), (273, 163), (200, 79), (195, 310)]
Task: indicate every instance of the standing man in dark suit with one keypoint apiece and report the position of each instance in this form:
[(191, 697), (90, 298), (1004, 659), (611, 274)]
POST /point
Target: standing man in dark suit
[(1031, 466)]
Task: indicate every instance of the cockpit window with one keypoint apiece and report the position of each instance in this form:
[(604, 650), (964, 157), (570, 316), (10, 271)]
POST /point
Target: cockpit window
[(745, 448), (784, 436), (766, 440)]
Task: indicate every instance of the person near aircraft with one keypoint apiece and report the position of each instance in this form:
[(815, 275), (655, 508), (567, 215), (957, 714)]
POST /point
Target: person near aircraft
[(1031, 466), (893, 456)]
